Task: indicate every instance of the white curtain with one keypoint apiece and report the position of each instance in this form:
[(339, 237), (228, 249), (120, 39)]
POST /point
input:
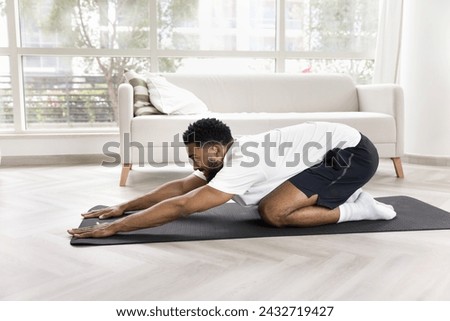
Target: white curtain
[(388, 41)]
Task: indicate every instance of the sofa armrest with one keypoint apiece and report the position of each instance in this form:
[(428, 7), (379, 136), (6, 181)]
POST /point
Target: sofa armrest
[(125, 105), (385, 99)]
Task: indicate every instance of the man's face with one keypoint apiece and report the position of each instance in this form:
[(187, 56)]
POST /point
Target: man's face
[(207, 159)]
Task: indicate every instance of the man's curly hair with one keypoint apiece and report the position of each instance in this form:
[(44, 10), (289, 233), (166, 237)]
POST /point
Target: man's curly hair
[(206, 131)]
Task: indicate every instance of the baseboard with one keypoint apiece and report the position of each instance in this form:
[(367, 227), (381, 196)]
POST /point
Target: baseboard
[(426, 160)]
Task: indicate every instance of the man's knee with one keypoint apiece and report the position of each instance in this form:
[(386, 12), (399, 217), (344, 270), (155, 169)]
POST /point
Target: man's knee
[(271, 214)]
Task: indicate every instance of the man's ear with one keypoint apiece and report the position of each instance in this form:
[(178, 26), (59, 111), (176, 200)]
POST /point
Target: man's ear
[(213, 150)]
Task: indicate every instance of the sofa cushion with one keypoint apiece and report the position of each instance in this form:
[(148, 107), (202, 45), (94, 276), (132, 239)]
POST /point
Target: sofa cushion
[(171, 99), (141, 99), (252, 123)]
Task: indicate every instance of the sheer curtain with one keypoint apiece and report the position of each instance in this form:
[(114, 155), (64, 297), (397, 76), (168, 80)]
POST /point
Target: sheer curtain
[(388, 41)]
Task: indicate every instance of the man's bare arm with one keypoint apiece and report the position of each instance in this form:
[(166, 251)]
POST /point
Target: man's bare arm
[(168, 190), (198, 200)]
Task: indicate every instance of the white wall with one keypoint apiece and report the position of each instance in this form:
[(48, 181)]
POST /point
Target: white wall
[(55, 144), (425, 77)]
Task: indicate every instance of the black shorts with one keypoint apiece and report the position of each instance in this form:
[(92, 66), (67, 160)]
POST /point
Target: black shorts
[(339, 174)]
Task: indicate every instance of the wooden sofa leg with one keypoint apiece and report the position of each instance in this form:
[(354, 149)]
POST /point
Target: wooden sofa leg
[(398, 166), (126, 168)]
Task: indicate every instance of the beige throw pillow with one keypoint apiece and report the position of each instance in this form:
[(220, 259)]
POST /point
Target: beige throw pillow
[(141, 99)]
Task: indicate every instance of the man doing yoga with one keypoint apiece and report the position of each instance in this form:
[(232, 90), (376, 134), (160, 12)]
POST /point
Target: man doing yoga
[(303, 175)]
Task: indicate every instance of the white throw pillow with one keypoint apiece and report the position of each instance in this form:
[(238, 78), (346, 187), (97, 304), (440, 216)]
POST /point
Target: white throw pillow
[(171, 99)]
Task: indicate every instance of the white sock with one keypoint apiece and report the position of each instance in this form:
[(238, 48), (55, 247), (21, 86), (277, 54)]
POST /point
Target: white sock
[(365, 208), (354, 196)]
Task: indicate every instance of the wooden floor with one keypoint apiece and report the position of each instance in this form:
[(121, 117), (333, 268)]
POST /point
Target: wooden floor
[(38, 205)]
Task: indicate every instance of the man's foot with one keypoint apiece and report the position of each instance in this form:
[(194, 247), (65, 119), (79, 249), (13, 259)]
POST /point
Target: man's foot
[(375, 210), (365, 208)]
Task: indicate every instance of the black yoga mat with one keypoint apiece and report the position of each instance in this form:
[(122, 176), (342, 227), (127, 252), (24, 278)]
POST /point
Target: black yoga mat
[(231, 221)]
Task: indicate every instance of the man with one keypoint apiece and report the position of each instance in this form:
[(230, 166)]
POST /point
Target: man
[(303, 175)]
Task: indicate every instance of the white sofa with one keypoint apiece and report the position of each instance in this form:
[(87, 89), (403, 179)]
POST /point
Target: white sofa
[(250, 104)]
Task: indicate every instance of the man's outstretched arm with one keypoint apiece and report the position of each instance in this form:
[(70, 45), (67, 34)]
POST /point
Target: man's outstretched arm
[(198, 200), (163, 192)]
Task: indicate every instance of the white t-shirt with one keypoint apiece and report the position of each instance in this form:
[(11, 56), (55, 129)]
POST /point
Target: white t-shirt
[(257, 164)]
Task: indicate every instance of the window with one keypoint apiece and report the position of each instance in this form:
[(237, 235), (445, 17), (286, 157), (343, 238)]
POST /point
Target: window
[(66, 92), (217, 24), (84, 24), (6, 106), (79, 91), (3, 24), (331, 26), (217, 65), (70, 55), (6, 109), (360, 70)]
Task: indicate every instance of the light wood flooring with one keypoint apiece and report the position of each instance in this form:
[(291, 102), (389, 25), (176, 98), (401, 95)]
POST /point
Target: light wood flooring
[(38, 205)]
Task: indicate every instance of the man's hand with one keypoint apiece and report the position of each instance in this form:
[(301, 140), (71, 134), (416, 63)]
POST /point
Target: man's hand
[(113, 211), (98, 230)]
